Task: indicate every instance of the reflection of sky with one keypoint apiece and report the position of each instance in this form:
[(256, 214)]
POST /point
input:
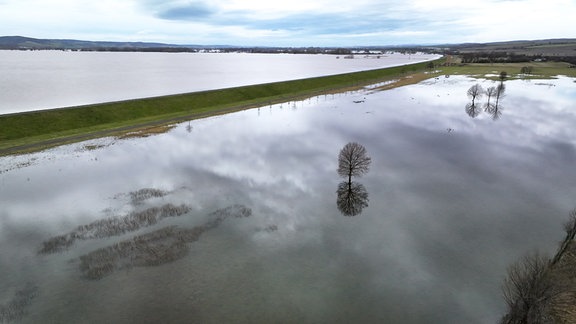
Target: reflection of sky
[(448, 209)]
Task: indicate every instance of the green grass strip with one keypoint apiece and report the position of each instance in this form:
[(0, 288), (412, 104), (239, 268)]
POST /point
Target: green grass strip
[(64, 123)]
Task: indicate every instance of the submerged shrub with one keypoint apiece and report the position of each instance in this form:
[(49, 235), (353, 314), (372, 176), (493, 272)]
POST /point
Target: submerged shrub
[(113, 226), (137, 197), (164, 245), (15, 309)]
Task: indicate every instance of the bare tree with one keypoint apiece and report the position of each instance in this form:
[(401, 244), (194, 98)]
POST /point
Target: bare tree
[(526, 70), (495, 109), (353, 161), (490, 92), (528, 291), (570, 228), (531, 284), (474, 92), (489, 107)]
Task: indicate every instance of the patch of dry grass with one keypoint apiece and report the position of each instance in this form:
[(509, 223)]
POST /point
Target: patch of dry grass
[(147, 131), (564, 276)]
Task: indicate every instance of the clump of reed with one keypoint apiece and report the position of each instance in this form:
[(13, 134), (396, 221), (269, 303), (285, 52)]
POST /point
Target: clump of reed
[(139, 196), (113, 226), (236, 210), (15, 309), (162, 246), (268, 229)]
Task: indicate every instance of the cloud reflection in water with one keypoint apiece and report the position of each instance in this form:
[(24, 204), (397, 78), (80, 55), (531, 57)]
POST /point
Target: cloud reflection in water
[(448, 210)]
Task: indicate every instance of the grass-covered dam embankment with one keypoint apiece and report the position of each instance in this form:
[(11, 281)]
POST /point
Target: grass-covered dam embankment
[(35, 130)]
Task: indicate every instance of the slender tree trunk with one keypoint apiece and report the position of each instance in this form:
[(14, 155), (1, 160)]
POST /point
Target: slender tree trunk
[(350, 171)]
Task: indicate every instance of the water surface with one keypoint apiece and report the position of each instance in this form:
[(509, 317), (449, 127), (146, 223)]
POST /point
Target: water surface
[(33, 80), (453, 200)]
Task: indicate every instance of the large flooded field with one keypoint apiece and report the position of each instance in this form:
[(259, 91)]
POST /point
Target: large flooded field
[(34, 80), (234, 219)]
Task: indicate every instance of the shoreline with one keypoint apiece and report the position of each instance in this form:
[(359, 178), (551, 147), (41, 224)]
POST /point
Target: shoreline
[(34, 131), (38, 130), (115, 77)]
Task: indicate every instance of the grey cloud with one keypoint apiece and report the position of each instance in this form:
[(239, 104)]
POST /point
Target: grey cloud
[(368, 21), (178, 10), (189, 11), (319, 23)]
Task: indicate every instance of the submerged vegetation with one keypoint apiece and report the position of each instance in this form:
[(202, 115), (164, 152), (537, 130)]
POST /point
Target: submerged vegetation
[(152, 249), (113, 226), (139, 196), (15, 309)]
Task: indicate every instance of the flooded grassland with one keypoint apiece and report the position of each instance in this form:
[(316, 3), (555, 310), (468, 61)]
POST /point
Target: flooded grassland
[(235, 218)]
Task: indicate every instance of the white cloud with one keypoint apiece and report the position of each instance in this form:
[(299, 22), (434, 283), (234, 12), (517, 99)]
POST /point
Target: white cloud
[(290, 23)]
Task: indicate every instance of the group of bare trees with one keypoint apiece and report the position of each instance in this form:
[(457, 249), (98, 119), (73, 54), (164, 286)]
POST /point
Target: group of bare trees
[(492, 105), (529, 288), (353, 161)]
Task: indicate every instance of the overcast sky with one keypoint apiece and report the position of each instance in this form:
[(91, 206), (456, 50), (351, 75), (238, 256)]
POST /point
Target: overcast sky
[(290, 22)]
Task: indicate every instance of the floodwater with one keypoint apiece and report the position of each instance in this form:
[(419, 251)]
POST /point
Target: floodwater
[(34, 80), (233, 219)]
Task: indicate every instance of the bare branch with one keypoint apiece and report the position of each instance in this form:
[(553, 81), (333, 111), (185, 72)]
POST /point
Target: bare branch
[(475, 91), (528, 290), (353, 161)]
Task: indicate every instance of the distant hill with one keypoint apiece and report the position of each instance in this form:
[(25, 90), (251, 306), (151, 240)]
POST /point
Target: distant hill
[(28, 43), (544, 47), (22, 43), (533, 48)]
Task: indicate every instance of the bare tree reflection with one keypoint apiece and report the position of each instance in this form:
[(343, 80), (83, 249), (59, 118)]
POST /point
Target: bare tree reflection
[(352, 198), (500, 92), (473, 110), (493, 108), (353, 161), (490, 92)]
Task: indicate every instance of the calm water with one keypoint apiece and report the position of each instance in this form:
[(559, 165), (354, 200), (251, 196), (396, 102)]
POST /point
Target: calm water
[(453, 200), (52, 79)]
